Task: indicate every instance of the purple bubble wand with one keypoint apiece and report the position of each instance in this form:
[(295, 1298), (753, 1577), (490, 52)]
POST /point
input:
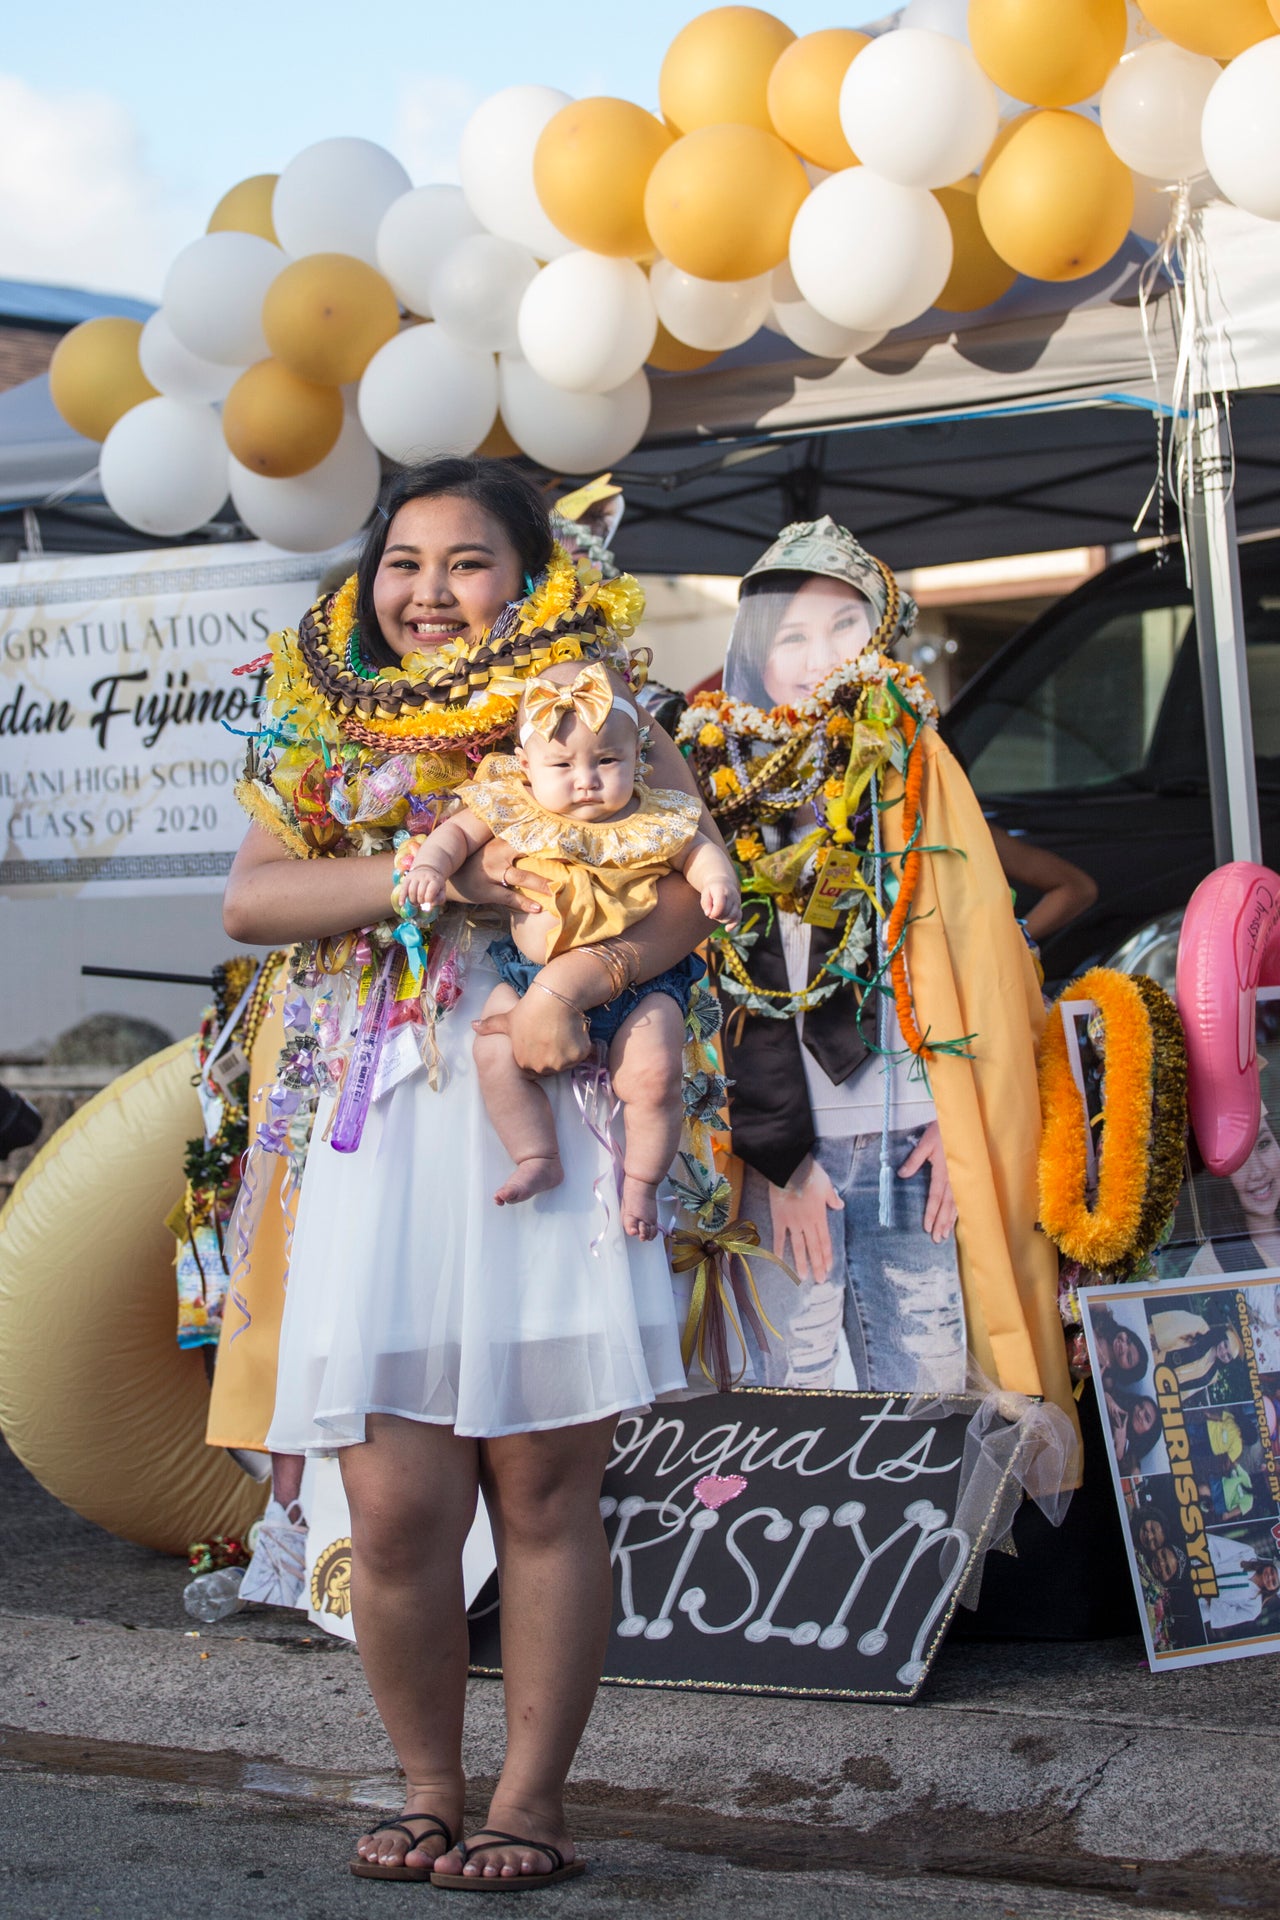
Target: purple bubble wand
[(362, 1069)]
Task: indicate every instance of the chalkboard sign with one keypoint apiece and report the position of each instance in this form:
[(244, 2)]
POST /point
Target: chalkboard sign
[(775, 1542)]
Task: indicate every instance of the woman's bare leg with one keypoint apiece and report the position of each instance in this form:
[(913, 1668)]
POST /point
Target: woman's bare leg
[(412, 1492), (543, 1492), (518, 1108), (646, 1066)]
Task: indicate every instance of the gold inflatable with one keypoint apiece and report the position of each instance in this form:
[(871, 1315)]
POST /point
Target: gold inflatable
[(96, 1398)]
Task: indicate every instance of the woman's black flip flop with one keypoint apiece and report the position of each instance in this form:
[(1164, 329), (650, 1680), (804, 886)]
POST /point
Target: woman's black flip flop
[(374, 1870), (561, 1869)]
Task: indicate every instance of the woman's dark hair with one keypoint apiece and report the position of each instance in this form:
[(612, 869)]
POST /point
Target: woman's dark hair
[(1150, 1511), (1106, 1324), (1219, 1208), (753, 638), (501, 489), (1200, 1344), (1137, 1445)]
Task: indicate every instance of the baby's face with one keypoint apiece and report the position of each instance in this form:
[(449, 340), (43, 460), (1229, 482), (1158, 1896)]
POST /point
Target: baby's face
[(580, 774)]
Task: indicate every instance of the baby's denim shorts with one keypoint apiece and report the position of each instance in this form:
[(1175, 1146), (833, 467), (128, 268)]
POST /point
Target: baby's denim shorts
[(603, 1022)]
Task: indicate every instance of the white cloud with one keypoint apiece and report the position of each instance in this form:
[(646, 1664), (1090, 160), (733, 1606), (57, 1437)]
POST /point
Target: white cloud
[(431, 111), (79, 204)]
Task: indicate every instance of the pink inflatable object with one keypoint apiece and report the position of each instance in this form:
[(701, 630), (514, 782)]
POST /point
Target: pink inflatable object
[(1228, 948)]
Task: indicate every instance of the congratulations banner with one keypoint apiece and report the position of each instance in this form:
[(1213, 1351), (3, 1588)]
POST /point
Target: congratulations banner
[(121, 713)]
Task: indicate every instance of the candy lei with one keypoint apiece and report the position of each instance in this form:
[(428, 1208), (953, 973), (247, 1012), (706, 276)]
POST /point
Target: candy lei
[(827, 757)]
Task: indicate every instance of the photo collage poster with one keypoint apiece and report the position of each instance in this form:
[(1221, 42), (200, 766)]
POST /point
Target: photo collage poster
[(1188, 1378)]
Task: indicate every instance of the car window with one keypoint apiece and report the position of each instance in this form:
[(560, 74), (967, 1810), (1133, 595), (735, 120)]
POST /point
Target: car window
[(1082, 708)]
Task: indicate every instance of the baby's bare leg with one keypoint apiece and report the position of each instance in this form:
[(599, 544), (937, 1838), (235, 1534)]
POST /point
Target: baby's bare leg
[(519, 1109), (645, 1063)]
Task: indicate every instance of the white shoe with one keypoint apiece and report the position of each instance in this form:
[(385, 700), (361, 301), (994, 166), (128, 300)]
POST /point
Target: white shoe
[(277, 1574)]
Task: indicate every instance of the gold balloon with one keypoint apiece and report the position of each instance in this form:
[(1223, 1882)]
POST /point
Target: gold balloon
[(978, 274), (670, 355), (326, 315), (720, 202), (1051, 52), (717, 69), (1221, 28), (804, 95), (498, 443), (246, 208), (1053, 199), (277, 424), (591, 166), (95, 375)]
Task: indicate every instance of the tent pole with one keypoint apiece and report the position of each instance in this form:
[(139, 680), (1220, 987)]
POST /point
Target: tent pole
[(1215, 581)]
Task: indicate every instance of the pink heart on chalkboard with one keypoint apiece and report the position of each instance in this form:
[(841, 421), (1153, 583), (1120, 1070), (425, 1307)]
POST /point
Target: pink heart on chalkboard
[(716, 1490)]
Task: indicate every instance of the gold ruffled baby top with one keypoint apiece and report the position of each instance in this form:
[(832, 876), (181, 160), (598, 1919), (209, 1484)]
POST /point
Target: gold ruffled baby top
[(603, 874)]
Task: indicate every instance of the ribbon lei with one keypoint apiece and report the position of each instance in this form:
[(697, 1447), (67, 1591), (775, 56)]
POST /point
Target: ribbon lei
[(722, 1280)]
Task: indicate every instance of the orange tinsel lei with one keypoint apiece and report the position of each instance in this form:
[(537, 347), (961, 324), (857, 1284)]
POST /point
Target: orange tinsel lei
[(909, 875), (1101, 1236)]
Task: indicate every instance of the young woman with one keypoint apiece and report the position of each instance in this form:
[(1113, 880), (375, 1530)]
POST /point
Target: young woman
[(440, 1344), (1246, 1206), (901, 1189)]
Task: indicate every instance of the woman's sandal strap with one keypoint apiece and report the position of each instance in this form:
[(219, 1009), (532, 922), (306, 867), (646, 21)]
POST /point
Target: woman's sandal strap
[(553, 1854), (429, 1819)]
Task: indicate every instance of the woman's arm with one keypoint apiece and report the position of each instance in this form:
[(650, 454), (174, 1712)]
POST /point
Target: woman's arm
[(273, 899), (1065, 890)]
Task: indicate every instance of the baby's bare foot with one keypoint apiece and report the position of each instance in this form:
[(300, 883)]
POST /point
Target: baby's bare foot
[(536, 1175), (640, 1207)]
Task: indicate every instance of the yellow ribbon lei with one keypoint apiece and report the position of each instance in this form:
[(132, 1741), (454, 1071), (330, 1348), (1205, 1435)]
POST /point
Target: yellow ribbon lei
[(710, 1256)]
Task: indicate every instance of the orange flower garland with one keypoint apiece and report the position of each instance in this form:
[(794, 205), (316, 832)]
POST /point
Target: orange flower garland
[(1144, 1122), (912, 823)]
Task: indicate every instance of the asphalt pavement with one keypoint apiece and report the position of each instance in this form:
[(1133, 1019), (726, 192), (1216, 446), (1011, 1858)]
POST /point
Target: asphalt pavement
[(146, 1772)]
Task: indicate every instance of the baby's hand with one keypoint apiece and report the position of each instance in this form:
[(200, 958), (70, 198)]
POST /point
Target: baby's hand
[(721, 900), (423, 885)]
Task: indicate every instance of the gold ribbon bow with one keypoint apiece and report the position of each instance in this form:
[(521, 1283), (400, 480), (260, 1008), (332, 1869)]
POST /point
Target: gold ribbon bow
[(716, 1290), (589, 696)]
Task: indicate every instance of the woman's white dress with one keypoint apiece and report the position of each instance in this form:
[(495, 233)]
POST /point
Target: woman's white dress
[(410, 1292)]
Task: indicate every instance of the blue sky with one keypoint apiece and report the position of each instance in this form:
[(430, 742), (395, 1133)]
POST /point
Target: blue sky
[(124, 125)]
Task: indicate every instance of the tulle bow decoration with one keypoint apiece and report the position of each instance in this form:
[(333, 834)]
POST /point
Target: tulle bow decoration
[(589, 695), (722, 1281)]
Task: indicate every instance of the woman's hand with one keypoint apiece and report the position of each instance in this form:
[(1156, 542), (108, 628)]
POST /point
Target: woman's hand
[(547, 1035), (491, 878), (799, 1213), (940, 1207)]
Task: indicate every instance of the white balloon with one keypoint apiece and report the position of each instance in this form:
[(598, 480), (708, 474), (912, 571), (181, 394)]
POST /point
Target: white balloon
[(331, 197), (415, 234), (425, 394), (868, 253), (1152, 106), (918, 108), (587, 323), (213, 296), (938, 16), (712, 315), (163, 466), (320, 508), (476, 290), (571, 432), (495, 164), (809, 329), (174, 371), (1239, 132)]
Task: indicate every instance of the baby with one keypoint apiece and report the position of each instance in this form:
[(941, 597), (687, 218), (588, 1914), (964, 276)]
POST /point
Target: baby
[(571, 803)]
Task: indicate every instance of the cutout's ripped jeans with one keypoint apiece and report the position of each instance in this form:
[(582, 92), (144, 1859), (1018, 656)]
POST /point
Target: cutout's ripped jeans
[(895, 1290)]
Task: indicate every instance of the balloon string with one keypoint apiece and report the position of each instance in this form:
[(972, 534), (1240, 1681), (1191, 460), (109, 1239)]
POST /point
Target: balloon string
[(599, 1107)]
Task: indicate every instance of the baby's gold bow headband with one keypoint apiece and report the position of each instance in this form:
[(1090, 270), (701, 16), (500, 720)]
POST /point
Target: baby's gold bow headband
[(589, 696)]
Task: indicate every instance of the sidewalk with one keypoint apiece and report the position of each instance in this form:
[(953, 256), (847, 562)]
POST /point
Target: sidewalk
[(1046, 1766)]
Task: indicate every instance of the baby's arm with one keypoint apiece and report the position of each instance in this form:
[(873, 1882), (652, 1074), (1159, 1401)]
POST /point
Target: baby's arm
[(441, 854), (709, 870)]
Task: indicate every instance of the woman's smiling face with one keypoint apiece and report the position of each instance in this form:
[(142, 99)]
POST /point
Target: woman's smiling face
[(827, 623), (1257, 1182), (446, 573)]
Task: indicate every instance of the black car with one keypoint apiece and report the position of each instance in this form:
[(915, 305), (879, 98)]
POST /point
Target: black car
[(1086, 735)]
